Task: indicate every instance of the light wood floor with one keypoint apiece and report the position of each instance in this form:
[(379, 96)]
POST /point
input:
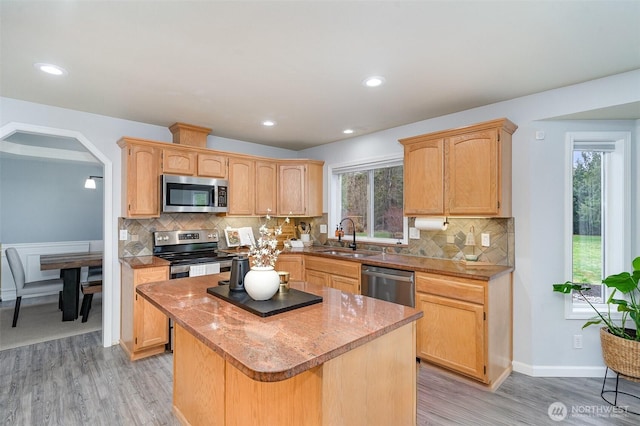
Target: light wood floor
[(75, 381)]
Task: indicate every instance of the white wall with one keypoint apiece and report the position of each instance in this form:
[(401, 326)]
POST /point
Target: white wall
[(542, 337)]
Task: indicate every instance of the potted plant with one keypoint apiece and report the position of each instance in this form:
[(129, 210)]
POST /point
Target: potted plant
[(619, 337)]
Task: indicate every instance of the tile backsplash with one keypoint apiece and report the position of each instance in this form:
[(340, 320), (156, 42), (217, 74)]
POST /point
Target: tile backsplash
[(433, 244)]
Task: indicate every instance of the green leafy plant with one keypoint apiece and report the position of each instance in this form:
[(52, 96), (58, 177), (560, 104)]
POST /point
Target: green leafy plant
[(628, 307)]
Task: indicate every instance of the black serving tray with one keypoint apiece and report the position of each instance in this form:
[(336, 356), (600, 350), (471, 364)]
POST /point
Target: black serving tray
[(280, 302)]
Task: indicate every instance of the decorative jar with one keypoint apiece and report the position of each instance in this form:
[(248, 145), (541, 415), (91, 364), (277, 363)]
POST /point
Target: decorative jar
[(261, 282)]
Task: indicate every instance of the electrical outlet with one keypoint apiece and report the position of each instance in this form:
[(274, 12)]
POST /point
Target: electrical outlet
[(323, 228), (486, 240), (451, 239), (414, 233), (577, 341), (123, 235)]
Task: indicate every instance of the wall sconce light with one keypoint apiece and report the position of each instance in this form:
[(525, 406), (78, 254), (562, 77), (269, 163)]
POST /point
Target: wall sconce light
[(90, 183)]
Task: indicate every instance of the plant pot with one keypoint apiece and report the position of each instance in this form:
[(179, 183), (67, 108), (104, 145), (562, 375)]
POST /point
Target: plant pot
[(620, 355), (261, 282)]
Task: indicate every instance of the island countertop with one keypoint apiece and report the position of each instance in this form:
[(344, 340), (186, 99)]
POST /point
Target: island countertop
[(278, 347)]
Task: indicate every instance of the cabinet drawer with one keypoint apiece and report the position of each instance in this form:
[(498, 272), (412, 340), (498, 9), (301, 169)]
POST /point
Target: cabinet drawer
[(150, 275), (335, 267), (452, 287)]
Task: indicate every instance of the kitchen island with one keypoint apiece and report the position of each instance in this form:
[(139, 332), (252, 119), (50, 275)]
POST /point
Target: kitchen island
[(349, 360)]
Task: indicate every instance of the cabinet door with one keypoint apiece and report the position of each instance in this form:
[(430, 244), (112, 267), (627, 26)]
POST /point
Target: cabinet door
[(210, 165), (317, 277), (142, 190), (472, 173), (424, 178), (241, 186), (178, 162), (292, 190), (349, 285), (292, 263), (266, 188), (151, 326), (451, 334)]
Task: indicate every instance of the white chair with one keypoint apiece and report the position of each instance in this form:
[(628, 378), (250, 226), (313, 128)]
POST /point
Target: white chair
[(44, 287)]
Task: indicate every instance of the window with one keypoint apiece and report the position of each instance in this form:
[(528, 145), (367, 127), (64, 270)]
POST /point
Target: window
[(597, 214), (371, 195)]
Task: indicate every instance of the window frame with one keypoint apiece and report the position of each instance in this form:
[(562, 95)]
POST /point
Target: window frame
[(617, 243), (334, 195)]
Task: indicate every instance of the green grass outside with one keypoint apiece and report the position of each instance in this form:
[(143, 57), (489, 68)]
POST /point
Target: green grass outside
[(587, 259)]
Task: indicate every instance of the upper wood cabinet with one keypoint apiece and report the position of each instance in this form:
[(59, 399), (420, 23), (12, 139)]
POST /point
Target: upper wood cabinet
[(424, 174), (188, 162), (465, 171), (300, 188), (212, 165), (241, 186), (179, 162), (140, 179), (257, 186), (266, 188)]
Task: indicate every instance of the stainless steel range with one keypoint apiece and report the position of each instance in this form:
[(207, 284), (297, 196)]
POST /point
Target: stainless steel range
[(192, 252)]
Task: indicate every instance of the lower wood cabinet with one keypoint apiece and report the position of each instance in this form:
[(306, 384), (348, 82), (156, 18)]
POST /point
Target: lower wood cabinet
[(292, 263), (340, 274), (467, 325), (144, 330)]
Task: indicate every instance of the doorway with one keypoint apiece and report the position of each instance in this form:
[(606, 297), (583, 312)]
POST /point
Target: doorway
[(108, 216)]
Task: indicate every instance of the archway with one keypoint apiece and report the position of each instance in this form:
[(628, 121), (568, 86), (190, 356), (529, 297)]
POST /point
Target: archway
[(110, 251)]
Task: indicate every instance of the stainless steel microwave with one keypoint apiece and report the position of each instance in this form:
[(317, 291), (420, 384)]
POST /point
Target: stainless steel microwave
[(190, 194)]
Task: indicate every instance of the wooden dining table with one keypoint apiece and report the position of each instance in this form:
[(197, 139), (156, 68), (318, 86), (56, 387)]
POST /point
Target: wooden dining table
[(69, 265)]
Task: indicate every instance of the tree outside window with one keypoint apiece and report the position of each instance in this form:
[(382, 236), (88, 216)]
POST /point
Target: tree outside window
[(373, 198)]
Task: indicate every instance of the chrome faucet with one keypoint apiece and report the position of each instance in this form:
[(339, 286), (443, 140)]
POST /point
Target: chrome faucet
[(353, 244)]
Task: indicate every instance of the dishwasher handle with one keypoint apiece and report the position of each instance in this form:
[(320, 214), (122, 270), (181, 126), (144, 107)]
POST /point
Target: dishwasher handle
[(389, 276)]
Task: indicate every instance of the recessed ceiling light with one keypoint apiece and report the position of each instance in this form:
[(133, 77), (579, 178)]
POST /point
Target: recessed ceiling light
[(347, 131), (268, 123), (374, 81), (50, 69)]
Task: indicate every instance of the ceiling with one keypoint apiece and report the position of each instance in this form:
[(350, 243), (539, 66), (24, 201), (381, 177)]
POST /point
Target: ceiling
[(230, 65)]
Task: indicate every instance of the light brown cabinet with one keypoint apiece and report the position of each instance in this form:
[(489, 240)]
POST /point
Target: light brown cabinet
[(300, 188), (465, 171), (340, 274), (179, 162), (466, 325), (187, 162), (292, 263), (241, 186), (140, 179), (256, 185), (212, 165), (266, 188), (144, 330)]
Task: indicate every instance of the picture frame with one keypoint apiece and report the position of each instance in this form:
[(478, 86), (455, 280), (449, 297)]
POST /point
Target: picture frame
[(232, 235)]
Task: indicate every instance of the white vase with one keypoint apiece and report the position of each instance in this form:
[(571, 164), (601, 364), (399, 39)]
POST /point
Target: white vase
[(261, 282)]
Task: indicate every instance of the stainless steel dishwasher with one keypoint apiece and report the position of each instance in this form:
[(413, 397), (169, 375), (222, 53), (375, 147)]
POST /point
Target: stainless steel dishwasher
[(392, 285)]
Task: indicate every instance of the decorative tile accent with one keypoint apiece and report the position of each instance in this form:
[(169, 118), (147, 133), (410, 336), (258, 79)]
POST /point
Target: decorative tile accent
[(432, 244)]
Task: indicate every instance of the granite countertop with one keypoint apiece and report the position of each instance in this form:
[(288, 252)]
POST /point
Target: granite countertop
[(277, 347), (137, 262), (452, 268)]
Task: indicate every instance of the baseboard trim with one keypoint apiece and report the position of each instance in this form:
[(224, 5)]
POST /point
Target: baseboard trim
[(558, 371)]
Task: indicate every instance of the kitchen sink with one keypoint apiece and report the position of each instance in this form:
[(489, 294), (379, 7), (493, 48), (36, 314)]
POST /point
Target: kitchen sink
[(345, 253)]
